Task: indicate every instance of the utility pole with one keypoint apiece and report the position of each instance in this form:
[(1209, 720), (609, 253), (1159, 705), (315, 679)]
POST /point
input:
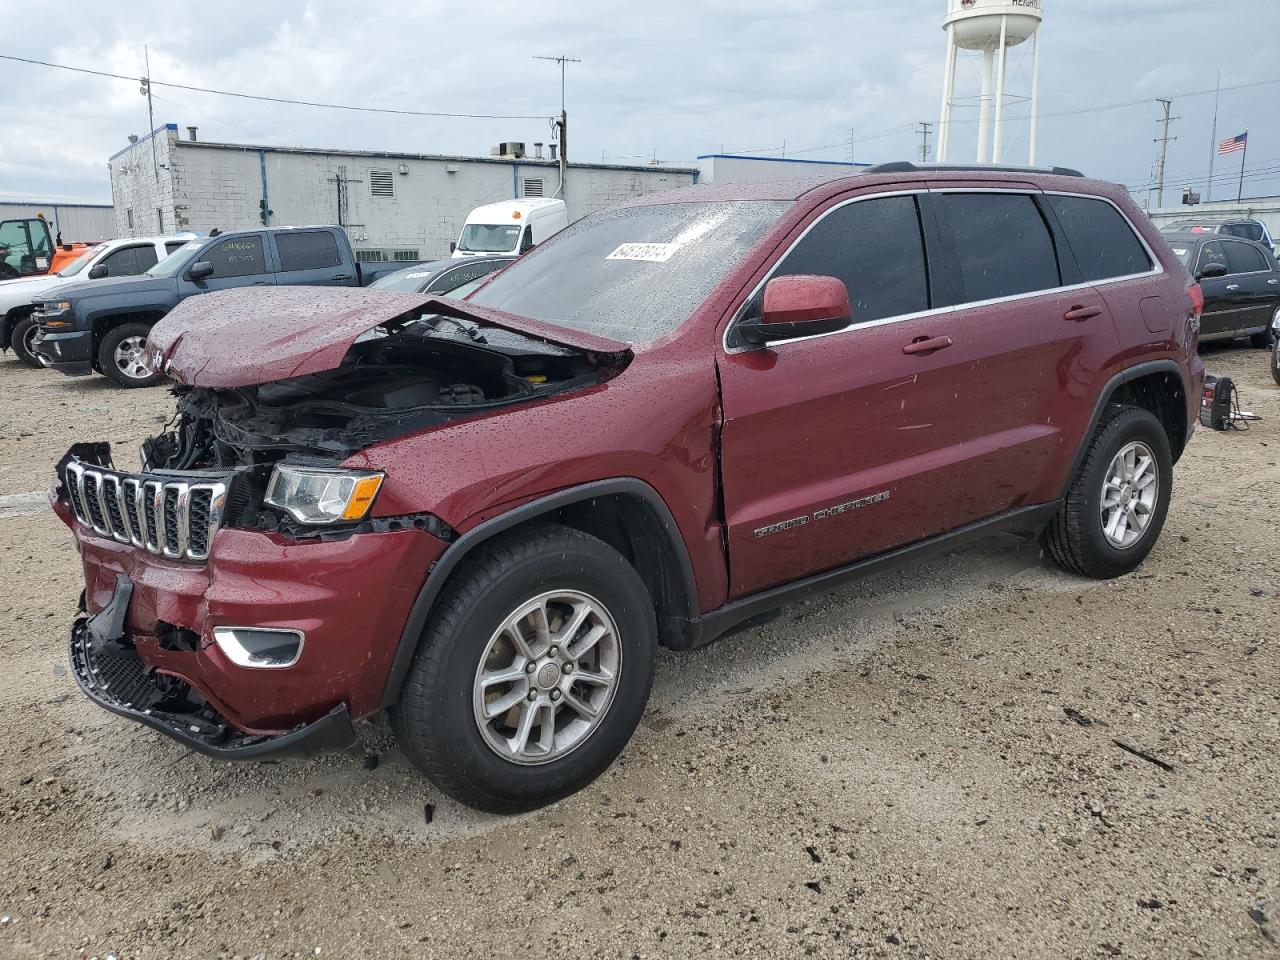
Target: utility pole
[(1164, 141), (145, 90), (852, 157), (562, 126), (924, 141)]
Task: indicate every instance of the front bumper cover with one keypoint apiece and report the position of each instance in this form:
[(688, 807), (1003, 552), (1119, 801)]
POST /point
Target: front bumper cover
[(114, 676)]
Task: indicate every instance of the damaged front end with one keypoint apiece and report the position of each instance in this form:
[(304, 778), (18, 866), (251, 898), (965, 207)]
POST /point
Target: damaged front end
[(242, 521)]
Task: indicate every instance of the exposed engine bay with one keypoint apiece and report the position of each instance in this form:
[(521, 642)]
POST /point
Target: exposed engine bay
[(423, 375)]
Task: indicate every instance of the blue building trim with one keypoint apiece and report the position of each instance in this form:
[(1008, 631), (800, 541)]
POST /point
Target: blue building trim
[(739, 156), (167, 126)]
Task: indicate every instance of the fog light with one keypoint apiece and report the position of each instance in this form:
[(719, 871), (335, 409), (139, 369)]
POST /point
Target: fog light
[(266, 648)]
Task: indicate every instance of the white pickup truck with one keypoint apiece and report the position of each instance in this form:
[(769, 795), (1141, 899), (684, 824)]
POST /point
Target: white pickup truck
[(115, 258)]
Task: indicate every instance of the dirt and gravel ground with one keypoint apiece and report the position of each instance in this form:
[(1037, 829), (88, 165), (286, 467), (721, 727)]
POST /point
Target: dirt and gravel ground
[(922, 766)]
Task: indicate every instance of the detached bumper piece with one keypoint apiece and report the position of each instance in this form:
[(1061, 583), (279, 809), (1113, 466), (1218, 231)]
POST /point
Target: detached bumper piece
[(113, 675)]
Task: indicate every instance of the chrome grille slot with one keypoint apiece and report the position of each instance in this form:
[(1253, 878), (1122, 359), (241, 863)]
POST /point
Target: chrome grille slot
[(173, 518)]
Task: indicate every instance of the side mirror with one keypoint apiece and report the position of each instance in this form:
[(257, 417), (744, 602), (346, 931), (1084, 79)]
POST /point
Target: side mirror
[(453, 245), (800, 306), (202, 270), (1211, 270), (97, 271)]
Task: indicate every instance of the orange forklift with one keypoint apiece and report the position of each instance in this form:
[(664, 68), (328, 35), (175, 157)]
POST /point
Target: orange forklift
[(27, 248)]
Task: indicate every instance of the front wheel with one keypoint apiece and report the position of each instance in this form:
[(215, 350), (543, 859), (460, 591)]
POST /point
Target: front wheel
[(532, 673), (1262, 341), (1116, 504), (122, 356), (23, 341), (1275, 360)]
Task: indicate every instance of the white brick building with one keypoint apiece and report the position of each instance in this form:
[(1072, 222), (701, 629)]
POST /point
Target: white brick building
[(393, 205)]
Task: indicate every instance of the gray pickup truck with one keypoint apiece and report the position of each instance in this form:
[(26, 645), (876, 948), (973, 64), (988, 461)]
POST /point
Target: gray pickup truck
[(102, 326)]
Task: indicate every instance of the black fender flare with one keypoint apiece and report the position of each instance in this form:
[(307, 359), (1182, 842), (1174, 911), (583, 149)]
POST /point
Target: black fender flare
[(1104, 396), (458, 551)]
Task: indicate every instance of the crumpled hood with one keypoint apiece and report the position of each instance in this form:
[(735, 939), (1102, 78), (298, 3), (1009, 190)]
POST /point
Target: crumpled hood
[(252, 335)]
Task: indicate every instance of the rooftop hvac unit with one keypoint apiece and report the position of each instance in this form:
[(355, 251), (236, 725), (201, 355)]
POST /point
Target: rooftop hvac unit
[(509, 148)]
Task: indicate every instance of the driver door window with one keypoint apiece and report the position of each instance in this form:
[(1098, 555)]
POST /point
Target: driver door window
[(237, 257)]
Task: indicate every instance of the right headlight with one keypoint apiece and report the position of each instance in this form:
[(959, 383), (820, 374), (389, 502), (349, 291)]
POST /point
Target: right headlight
[(317, 495)]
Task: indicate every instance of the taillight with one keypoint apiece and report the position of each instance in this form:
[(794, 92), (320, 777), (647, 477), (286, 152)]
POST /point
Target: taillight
[(1197, 299)]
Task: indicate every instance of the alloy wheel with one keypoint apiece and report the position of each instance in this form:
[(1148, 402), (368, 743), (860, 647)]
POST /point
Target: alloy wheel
[(1129, 494), (29, 342), (130, 358), (547, 677)]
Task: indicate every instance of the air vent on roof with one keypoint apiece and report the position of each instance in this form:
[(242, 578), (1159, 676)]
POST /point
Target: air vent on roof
[(533, 186), (382, 183)]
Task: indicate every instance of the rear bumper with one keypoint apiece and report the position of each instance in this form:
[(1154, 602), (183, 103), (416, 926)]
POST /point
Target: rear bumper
[(117, 680)]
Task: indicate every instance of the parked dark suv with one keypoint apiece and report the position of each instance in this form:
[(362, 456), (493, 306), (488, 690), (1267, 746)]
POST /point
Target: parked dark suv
[(671, 418)]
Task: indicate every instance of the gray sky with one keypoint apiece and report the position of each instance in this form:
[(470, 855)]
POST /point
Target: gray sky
[(678, 79)]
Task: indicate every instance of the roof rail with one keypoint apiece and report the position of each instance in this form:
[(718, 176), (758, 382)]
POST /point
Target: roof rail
[(906, 166)]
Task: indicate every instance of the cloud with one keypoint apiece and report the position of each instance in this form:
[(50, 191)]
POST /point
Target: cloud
[(668, 79)]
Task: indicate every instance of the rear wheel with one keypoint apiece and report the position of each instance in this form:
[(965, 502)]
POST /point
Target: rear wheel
[(122, 356), (1116, 505), (22, 340), (532, 673), (1262, 341)]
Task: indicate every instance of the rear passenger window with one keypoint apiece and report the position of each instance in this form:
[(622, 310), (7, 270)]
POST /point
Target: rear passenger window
[(237, 257), (1002, 246), (876, 248), (1102, 240), (146, 258), (1242, 258), (307, 251)]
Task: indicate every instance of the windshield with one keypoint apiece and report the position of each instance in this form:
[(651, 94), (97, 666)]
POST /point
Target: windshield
[(631, 273), (489, 237), (79, 263), (172, 265)]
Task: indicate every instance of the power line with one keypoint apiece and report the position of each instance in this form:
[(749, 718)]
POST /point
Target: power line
[(266, 99)]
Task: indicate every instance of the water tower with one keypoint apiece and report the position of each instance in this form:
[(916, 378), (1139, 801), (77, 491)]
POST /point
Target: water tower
[(991, 26)]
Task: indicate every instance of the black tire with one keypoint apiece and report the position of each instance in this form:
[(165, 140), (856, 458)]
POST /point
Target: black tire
[(107, 356), (20, 339), (1261, 341), (1275, 361), (1075, 537), (435, 719)]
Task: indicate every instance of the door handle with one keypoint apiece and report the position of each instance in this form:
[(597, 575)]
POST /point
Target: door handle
[(262, 283), (926, 345), (1079, 313), (1273, 282), (1233, 286), (342, 276)]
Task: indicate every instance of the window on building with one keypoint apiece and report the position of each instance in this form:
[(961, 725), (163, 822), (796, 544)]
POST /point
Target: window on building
[(370, 256), (533, 186), (1242, 258), (876, 248), (1002, 245), (382, 183), (1101, 239), (237, 257), (307, 250), (404, 255)]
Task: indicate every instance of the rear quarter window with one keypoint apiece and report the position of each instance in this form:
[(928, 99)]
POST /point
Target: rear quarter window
[(1104, 244)]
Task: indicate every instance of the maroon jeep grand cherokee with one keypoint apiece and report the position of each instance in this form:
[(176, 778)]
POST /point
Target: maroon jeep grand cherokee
[(484, 516)]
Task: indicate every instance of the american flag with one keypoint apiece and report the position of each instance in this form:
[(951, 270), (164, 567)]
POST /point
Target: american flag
[(1233, 145)]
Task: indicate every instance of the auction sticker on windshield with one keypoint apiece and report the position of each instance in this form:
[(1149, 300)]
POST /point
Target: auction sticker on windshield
[(652, 252)]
